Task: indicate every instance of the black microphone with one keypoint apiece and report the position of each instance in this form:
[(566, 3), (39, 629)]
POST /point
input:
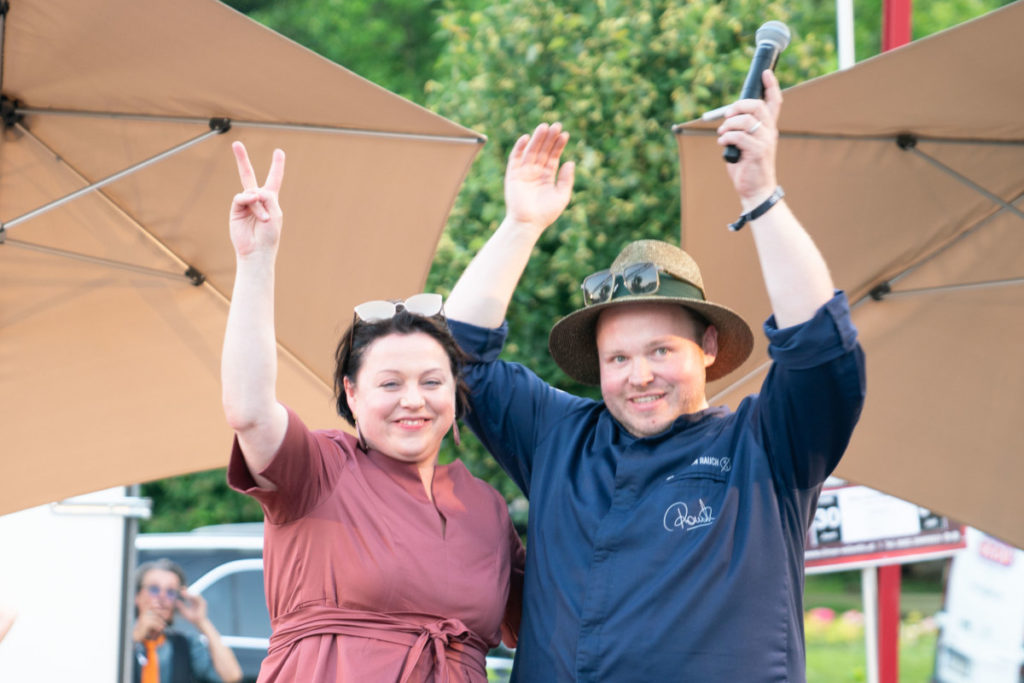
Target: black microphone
[(772, 38)]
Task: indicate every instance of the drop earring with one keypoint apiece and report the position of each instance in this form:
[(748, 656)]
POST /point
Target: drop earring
[(455, 433)]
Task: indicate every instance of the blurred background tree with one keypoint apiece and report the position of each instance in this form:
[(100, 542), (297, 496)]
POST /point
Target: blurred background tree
[(393, 43), (616, 73)]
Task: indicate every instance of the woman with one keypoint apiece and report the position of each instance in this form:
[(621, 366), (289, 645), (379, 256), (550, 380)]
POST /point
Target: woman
[(380, 565)]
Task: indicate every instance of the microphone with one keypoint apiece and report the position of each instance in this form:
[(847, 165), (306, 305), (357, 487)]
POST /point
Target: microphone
[(772, 38)]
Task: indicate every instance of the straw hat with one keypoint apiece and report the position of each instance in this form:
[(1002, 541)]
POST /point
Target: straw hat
[(573, 339)]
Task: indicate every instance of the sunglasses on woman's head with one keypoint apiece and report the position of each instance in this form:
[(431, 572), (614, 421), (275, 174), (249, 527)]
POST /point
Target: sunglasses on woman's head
[(426, 305), (637, 278)]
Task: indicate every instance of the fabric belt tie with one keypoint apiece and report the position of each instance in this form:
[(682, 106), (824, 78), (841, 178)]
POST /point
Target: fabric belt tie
[(451, 639)]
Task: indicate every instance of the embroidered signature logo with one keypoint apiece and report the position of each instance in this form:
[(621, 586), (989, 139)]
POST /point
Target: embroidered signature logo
[(678, 516), (724, 464)]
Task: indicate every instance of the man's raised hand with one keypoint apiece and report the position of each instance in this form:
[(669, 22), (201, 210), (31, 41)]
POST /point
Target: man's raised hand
[(536, 190)]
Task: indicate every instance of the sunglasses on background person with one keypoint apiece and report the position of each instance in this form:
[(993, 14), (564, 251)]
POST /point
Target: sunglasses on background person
[(171, 594), (637, 278)]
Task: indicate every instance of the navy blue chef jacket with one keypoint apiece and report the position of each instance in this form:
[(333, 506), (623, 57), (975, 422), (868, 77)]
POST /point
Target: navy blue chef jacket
[(676, 557)]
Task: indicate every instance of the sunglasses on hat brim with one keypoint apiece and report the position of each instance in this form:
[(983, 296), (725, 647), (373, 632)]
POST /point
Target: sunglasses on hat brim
[(637, 278)]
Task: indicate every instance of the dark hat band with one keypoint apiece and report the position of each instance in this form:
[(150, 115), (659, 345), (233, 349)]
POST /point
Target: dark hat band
[(668, 286)]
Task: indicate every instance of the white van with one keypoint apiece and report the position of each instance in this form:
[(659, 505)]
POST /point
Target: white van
[(981, 637)]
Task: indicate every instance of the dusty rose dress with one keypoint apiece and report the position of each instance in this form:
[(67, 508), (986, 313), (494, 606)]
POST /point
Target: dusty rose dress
[(364, 582)]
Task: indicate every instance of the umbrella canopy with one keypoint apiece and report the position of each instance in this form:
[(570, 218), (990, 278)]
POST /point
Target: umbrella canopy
[(113, 303), (908, 171)]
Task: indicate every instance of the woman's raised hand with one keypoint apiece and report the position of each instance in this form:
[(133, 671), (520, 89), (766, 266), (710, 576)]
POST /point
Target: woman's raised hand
[(256, 217), (536, 190)]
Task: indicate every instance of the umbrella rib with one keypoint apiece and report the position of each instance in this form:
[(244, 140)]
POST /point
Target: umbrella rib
[(121, 265), (682, 129), (191, 273), (985, 284), (942, 248), (966, 181), (105, 181), (750, 375), (469, 139), (721, 395), (340, 130), (884, 289)]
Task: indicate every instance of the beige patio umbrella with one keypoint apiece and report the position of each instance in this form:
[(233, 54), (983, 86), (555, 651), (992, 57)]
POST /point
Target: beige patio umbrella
[(908, 171), (113, 303)]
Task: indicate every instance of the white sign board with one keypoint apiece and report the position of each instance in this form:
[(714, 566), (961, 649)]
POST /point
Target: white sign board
[(855, 526)]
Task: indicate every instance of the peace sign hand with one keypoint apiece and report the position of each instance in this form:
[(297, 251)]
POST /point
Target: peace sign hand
[(256, 217)]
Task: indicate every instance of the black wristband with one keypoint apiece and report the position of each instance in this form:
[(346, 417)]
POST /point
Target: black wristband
[(759, 210)]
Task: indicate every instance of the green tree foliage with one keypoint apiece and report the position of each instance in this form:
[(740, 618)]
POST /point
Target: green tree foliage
[(927, 17), (194, 500), (390, 42), (617, 74)]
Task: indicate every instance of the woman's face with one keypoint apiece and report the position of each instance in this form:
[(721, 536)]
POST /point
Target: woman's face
[(404, 396)]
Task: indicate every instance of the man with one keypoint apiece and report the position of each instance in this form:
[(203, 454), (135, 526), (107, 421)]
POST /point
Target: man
[(665, 536), (163, 655)]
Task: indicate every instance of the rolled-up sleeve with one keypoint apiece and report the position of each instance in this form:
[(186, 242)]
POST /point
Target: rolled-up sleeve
[(813, 394)]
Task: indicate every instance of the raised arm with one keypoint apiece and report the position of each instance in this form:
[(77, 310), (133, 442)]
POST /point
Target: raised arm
[(795, 274), (536, 193), (193, 607), (249, 360)]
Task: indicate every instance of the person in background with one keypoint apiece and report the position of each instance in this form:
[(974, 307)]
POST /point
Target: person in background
[(164, 655), (380, 565), (666, 535)]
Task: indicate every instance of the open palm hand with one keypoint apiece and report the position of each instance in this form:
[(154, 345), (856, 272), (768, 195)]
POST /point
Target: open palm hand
[(536, 190)]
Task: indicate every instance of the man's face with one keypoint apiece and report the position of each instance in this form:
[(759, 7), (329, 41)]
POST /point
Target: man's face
[(159, 593), (652, 364)]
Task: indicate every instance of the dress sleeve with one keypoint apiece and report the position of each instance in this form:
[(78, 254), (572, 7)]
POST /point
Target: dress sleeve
[(812, 396), (514, 605), (511, 408), (305, 470)]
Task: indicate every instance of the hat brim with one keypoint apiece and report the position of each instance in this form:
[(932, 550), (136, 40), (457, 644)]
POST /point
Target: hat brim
[(573, 339)]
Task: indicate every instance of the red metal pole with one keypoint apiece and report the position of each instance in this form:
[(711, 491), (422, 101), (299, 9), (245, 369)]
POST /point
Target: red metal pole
[(896, 16), (889, 624), (895, 23)]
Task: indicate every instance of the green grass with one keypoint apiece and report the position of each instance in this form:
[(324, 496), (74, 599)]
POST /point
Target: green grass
[(846, 662), (836, 652), (841, 592)]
